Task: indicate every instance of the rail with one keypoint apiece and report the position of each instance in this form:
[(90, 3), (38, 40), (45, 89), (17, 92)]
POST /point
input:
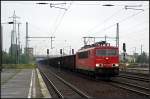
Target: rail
[(139, 78), (54, 87), (72, 87), (134, 88)]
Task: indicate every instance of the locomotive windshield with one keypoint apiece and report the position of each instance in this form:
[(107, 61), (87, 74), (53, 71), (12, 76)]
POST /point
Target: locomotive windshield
[(106, 52)]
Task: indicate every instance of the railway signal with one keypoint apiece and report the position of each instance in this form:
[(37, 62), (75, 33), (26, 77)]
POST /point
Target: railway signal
[(124, 51), (47, 51), (10, 22), (61, 51), (72, 51), (124, 47)]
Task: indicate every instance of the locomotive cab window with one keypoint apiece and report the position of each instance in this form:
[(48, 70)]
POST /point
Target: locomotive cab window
[(106, 52), (83, 54)]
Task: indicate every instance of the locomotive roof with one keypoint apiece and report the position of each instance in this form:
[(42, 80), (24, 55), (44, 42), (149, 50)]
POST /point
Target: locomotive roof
[(96, 47)]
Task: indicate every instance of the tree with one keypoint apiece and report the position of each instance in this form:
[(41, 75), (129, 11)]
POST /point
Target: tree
[(8, 59), (143, 58)]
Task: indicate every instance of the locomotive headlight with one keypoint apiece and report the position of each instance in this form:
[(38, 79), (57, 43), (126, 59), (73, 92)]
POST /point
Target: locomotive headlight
[(97, 65), (116, 65)]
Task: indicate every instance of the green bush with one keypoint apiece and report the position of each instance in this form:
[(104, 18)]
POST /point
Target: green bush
[(19, 66)]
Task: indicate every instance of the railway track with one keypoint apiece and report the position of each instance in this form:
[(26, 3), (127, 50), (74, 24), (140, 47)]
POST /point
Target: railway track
[(97, 89), (135, 74), (62, 88), (131, 87), (127, 86), (134, 77), (133, 82)]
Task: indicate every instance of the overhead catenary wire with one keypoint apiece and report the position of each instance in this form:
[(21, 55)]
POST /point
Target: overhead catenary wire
[(106, 20), (56, 21), (55, 29), (38, 29), (55, 24), (135, 31), (59, 22), (138, 40), (122, 20), (61, 18), (76, 3), (136, 25), (104, 29), (131, 16), (139, 24)]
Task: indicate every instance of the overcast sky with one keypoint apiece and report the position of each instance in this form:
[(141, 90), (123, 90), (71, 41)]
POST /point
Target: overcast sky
[(82, 18)]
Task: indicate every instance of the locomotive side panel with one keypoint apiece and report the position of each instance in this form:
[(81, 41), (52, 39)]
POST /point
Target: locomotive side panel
[(85, 60), (102, 60)]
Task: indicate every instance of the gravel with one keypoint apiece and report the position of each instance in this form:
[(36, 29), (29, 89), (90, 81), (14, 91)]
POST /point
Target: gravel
[(96, 89)]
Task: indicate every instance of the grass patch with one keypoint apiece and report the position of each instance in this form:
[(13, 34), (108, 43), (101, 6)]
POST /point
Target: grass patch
[(19, 66)]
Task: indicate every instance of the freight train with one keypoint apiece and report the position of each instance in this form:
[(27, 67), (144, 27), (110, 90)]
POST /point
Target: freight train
[(99, 59)]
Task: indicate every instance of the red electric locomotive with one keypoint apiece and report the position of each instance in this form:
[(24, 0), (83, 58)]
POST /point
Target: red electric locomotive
[(99, 59)]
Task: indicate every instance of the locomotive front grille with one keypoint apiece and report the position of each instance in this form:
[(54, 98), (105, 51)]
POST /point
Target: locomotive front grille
[(107, 71)]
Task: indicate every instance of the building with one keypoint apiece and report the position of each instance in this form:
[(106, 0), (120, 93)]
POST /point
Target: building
[(129, 58), (29, 51)]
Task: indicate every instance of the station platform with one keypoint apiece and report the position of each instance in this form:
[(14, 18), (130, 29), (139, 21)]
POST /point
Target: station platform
[(23, 83)]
